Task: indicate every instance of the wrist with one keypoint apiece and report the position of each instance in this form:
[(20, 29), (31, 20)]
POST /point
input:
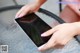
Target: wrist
[(77, 26)]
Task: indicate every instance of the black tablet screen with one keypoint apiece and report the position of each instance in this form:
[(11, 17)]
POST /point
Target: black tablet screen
[(34, 27)]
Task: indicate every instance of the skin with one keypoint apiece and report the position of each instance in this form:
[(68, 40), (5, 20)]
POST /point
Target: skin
[(29, 8), (62, 33)]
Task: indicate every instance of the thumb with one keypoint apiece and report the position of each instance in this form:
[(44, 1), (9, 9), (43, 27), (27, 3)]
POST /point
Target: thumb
[(23, 11), (49, 32), (50, 44)]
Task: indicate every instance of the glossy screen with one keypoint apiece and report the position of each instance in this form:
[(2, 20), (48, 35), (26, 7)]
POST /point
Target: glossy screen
[(34, 26)]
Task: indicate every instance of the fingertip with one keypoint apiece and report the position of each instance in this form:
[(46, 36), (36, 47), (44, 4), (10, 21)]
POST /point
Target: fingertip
[(44, 34), (41, 48), (20, 15), (17, 15)]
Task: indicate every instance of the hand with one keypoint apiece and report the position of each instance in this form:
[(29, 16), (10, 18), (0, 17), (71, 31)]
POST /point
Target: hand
[(29, 8), (62, 34)]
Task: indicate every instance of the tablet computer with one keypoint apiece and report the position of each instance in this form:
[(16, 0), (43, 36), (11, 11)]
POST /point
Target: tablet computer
[(34, 26)]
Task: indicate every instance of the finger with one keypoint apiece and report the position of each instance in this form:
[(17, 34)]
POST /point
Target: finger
[(50, 44), (24, 12), (19, 12), (49, 32)]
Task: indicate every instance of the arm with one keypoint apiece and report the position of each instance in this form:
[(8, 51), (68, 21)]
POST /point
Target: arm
[(40, 1), (29, 8)]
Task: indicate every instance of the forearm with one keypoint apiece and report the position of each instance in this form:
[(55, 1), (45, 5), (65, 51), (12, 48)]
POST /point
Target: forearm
[(40, 2), (77, 26)]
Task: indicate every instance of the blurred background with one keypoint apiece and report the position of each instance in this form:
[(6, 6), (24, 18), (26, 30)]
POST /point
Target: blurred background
[(13, 36)]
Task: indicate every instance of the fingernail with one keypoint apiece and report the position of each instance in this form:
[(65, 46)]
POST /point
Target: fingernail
[(21, 15), (40, 48), (43, 34), (16, 17)]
